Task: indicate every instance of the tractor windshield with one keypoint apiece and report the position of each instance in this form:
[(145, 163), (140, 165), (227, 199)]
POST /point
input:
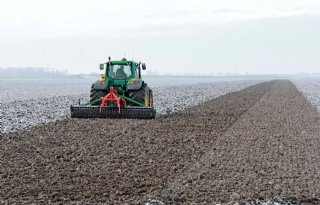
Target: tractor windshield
[(119, 72)]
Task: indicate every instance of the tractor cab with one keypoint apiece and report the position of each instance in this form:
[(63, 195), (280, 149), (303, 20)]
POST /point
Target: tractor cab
[(122, 70), (119, 72)]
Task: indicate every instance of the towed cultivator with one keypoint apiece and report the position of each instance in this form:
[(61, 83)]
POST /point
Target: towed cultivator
[(121, 93)]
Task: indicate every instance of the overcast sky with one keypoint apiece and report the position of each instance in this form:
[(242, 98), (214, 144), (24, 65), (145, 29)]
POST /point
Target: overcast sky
[(171, 36)]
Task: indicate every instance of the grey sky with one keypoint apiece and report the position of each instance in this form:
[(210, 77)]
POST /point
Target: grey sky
[(208, 36)]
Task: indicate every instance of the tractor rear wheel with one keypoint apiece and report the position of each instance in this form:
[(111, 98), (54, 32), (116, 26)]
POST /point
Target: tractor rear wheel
[(143, 96), (151, 98), (96, 94)]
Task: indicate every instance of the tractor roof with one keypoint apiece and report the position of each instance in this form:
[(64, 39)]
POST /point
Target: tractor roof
[(121, 62)]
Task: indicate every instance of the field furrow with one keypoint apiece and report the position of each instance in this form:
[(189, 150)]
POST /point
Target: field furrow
[(273, 150), (114, 160)]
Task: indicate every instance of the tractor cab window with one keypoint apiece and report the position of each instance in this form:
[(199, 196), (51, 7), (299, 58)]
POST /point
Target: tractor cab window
[(119, 72)]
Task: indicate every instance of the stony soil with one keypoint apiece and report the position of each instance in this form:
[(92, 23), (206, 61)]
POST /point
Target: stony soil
[(260, 143)]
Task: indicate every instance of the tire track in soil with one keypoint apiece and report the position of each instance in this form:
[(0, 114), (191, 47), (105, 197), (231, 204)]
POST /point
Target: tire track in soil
[(114, 161), (272, 150)]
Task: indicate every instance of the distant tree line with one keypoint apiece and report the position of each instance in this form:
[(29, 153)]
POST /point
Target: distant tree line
[(30, 72)]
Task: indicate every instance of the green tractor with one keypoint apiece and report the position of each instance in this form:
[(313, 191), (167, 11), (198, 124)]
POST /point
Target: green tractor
[(121, 93)]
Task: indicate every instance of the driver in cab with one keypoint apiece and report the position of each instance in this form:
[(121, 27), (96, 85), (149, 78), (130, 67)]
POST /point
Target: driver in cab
[(120, 74)]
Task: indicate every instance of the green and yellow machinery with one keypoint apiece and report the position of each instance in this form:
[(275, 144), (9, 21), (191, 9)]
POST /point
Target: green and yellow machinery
[(121, 93)]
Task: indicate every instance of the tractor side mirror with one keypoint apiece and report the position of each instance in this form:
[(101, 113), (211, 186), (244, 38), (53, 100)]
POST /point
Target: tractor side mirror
[(101, 66), (144, 66)]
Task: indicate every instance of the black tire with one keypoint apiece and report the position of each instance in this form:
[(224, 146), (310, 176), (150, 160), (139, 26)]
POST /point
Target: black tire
[(96, 94), (141, 95)]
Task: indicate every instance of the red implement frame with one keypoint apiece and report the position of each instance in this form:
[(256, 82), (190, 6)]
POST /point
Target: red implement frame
[(112, 97)]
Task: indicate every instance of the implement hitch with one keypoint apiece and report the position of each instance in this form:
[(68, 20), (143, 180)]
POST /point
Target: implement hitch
[(112, 97)]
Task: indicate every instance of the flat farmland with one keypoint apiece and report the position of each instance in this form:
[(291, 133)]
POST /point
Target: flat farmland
[(256, 145), (26, 103)]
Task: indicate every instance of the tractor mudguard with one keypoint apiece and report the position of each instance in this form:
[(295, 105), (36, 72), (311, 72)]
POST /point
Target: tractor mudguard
[(135, 86), (99, 86)]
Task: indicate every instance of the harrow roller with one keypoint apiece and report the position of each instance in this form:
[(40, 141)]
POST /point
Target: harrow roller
[(112, 112)]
